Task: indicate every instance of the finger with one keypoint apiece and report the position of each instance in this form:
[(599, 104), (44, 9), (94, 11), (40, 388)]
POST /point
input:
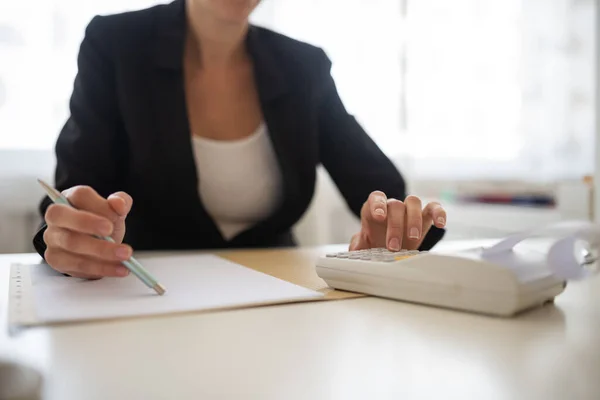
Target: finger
[(433, 214), (121, 203), (373, 219), (354, 242), (359, 242), (86, 198), (80, 266), (63, 216), (86, 245), (414, 222), (395, 224), (376, 207)]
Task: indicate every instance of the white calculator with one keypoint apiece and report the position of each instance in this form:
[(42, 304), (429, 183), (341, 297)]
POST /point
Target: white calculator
[(502, 283)]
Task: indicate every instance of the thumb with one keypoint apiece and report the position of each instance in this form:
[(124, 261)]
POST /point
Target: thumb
[(121, 203)]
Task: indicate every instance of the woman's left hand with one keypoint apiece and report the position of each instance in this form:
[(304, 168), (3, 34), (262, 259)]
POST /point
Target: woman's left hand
[(396, 224)]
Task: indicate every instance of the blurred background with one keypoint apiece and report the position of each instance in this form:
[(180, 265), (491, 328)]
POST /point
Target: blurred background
[(486, 105)]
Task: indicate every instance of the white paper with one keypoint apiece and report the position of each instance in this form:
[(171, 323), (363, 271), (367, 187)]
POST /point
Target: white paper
[(583, 229), (565, 255), (565, 262), (193, 283)]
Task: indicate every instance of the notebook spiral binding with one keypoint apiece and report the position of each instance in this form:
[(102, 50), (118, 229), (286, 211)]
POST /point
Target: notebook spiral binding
[(21, 312)]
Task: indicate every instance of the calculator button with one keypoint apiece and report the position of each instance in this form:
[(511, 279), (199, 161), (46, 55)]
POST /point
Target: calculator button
[(403, 256)]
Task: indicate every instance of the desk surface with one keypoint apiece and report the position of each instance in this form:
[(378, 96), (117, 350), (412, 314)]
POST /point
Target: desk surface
[(364, 348)]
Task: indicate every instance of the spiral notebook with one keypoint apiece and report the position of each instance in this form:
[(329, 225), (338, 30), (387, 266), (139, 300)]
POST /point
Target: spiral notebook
[(39, 295)]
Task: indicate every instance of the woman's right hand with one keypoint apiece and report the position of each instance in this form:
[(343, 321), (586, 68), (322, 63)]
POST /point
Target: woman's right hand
[(71, 248)]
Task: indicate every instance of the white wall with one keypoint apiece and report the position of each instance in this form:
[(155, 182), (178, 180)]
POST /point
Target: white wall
[(597, 117), (20, 195)]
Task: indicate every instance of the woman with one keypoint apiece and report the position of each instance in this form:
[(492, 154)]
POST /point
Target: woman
[(215, 128)]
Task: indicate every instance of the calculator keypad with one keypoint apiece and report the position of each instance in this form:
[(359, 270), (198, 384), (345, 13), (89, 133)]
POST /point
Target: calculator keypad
[(376, 254)]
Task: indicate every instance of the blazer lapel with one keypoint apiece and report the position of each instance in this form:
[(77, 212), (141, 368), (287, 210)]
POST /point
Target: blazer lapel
[(173, 137), (273, 91)]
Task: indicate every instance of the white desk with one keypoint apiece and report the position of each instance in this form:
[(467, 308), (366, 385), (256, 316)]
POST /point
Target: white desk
[(363, 348)]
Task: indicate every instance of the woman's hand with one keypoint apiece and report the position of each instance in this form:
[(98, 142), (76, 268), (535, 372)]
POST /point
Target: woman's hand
[(71, 248), (396, 224)]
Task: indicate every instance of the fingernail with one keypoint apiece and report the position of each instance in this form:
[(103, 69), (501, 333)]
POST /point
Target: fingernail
[(122, 271), (379, 211), (394, 244), (414, 233), (441, 220), (123, 253)]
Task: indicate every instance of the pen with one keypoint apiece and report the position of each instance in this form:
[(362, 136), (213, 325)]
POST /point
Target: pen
[(132, 264)]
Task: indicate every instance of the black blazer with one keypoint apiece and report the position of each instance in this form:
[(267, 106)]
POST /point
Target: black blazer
[(128, 130)]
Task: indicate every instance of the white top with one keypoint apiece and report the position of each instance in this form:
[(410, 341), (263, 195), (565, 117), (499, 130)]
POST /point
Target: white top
[(239, 181)]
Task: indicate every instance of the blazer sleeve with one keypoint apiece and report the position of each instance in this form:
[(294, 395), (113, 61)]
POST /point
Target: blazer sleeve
[(89, 149), (355, 163)]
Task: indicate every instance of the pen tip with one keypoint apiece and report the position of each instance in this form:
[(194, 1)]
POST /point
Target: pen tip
[(160, 289)]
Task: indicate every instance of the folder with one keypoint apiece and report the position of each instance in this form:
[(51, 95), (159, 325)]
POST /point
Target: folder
[(296, 266)]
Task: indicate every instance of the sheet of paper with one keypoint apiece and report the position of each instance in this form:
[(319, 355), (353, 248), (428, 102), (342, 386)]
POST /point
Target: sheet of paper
[(571, 253), (193, 283)]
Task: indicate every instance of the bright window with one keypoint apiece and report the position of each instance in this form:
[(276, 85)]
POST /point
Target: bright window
[(39, 42), (449, 89)]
